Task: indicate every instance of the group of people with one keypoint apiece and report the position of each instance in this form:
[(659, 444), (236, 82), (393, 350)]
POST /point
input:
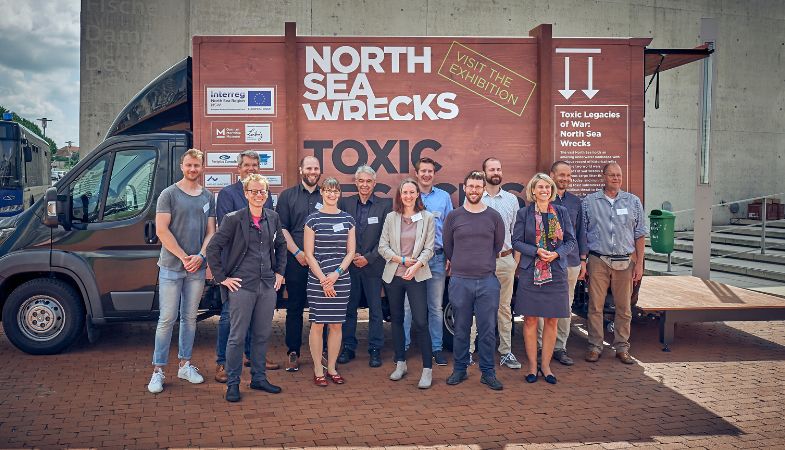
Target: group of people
[(328, 251)]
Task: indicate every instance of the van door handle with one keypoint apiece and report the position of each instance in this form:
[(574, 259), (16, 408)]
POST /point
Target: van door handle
[(149, 232)]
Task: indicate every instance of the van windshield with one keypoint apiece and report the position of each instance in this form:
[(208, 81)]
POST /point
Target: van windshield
[(9, 164)]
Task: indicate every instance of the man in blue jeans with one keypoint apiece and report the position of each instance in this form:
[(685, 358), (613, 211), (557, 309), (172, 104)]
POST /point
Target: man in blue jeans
[(439, 203), (231, 199), (473, 237), (184, 222)]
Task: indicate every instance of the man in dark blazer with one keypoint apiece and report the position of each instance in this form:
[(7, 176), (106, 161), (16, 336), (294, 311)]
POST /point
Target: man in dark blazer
[(248, 258), (367, 266)]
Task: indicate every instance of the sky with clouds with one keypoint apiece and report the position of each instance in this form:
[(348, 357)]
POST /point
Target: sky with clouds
[(39, 63)]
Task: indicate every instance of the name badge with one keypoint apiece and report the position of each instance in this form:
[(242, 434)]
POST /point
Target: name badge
[(417, 217), (373, 220), (621, 211), (338, 227), (318, 206), (206, 207)]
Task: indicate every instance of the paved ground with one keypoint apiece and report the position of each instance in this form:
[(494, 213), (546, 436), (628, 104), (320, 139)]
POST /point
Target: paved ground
[(722, 386)]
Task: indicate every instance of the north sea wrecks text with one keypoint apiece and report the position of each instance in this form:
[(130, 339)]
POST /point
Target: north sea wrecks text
[(340, 89)]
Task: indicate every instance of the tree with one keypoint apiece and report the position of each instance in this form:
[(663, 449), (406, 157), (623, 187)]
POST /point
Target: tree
[(32, 127)]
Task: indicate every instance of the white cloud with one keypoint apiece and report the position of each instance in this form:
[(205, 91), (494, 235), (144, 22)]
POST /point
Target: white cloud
[(39, 63)]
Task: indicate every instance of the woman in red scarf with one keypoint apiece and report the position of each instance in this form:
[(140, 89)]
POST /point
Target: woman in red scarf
[(544, 235)]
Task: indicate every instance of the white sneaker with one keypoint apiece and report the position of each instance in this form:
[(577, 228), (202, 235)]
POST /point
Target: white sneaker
[(510, 361), (399, 372), (190, 373), (156, 384), (425, 379)]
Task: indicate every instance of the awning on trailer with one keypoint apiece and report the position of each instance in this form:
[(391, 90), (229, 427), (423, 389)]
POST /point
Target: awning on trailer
[(657, 60), (662, 59)]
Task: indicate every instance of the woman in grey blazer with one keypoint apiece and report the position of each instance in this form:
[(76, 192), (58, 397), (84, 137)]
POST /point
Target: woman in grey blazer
[(406, 244)]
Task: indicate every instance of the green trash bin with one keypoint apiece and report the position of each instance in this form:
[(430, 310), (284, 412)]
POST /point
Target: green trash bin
[(661, 230)]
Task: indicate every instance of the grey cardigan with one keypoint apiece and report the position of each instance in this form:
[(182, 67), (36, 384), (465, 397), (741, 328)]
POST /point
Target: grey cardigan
[(390, 244)]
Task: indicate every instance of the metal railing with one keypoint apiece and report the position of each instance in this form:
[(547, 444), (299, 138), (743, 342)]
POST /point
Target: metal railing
[(765, 221)]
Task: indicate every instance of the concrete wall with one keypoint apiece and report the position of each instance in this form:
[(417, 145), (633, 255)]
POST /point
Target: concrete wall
[(125, 43)]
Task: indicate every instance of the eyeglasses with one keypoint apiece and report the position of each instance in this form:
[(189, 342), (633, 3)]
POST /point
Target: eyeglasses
[(331, 191), (256, 191)]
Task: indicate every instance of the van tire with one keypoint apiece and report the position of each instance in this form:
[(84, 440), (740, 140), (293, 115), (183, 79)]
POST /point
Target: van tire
[(448, 327), (43, 316)]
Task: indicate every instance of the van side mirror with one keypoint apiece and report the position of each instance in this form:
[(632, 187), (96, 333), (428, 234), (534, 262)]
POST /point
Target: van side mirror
[(28, 153), (58, 209), (50, 217)]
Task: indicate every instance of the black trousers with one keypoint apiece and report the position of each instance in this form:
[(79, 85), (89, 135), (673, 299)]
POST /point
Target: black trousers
[(396, 291), (296, 301)]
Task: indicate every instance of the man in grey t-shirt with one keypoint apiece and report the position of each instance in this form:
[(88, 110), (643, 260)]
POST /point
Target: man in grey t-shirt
[(184, 222)]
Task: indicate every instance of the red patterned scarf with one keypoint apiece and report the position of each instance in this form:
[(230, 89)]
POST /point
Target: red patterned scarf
[(542, 269)]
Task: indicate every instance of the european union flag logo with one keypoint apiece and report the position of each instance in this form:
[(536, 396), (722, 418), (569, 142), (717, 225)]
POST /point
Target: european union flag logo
[(259, 98)]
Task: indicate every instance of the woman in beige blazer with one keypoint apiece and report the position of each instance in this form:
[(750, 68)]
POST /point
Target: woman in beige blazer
[(406, 244)]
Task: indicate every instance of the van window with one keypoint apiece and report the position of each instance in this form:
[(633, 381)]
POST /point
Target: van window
[(130, 184), (86, 192)]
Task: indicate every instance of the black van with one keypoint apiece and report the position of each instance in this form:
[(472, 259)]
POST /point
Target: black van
[(86, 254)]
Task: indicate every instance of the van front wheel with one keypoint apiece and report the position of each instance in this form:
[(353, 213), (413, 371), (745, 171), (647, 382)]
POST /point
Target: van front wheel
[(43, 316)]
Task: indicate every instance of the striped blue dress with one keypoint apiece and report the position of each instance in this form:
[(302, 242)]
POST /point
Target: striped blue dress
[(332, 233)]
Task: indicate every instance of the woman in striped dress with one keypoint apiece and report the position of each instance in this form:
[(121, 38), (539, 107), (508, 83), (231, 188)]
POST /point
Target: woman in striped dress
[(329, 247)]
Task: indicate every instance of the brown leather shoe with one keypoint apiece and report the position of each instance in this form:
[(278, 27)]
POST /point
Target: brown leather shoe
[(220, 373), (625, 357), (592, 356), (293, 362), (270, 365)]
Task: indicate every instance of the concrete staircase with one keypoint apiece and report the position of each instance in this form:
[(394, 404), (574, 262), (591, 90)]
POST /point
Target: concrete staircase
[(736, 258)]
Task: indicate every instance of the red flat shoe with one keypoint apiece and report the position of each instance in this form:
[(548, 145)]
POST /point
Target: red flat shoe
[(320, 381), (337, 378)]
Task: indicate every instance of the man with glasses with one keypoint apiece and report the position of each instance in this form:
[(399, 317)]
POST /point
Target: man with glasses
[(473, 237), (616, 234), (368, 211), (247, 256), (507, 205), (232, 198), (295, 204)]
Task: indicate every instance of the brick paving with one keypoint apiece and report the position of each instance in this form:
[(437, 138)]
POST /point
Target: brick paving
[(722, 386)]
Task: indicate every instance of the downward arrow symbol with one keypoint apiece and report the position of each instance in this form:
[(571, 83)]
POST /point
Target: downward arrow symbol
[(591, 92), (566, 92)]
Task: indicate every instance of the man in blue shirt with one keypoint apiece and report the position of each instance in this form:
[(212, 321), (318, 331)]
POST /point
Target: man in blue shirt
[(561, 173), (439, 203), (230, 199), (616, 233)]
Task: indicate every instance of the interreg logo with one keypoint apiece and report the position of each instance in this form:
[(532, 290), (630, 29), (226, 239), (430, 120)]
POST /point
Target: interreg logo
[(260, 98), (233, 93)]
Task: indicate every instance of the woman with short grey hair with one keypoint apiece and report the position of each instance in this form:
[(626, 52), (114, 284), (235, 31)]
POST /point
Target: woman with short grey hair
[(544, 236)]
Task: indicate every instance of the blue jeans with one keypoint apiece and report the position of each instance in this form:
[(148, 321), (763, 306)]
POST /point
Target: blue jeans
[(223, 336), (475, 297), (178, 292), (435, 289), (372, 287)]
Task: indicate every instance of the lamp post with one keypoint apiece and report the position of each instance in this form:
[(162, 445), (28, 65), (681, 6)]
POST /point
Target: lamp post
[(44, 121)]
